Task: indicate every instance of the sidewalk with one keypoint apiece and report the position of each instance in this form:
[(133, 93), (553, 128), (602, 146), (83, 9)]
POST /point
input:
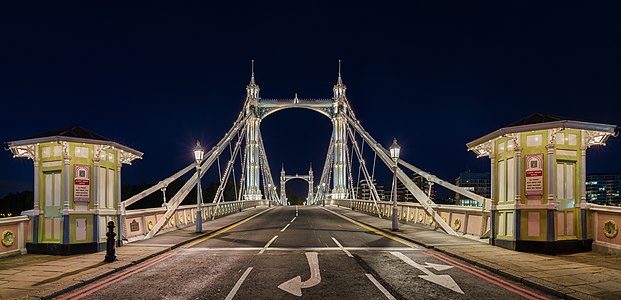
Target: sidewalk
[(35, 276), (575, 276)]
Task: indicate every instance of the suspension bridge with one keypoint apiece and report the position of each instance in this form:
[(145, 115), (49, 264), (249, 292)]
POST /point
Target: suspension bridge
[(335, 246)]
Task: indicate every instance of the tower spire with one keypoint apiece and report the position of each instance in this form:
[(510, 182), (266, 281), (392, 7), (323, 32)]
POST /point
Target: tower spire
[(339, 88), (252, 89)]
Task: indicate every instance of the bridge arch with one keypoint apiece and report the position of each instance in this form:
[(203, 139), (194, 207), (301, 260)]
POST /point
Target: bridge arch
[(284, 178)]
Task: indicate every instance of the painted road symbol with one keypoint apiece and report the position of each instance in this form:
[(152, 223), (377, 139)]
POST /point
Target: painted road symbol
[(295, 285), (443, 280)]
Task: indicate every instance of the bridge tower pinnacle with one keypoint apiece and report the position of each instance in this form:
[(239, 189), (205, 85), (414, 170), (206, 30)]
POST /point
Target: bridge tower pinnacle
[(253, 190), (339, 137)]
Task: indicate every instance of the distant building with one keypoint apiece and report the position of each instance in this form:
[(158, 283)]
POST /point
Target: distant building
[(478, 183), (603, 188), (405, 195), (363, 191)]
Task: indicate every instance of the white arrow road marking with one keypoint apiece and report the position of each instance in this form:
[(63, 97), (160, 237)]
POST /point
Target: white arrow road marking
[(238, 284), (341, 246), (295, 285), (381, 287), (268, 244), (443, 280)]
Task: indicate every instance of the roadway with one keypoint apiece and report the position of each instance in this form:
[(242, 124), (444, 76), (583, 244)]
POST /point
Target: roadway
[(309, 253)]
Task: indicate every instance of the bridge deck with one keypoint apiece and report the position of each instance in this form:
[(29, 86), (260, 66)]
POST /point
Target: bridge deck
[(231, 254)]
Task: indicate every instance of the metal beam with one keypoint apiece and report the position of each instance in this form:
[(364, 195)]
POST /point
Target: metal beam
[(420, 196)]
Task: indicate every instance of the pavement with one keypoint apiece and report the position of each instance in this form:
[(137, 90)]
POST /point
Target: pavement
[(576, 276), (587, 275), (36, 276)]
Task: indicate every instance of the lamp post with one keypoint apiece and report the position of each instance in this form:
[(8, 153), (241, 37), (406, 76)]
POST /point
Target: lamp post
[(323, 196), (269, 193), (395, 150), (198, 157)]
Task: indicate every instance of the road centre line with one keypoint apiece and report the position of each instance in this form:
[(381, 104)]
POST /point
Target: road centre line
[(238, 284), (380, 287), (376, 231), (292, 220), (223, 230), (268, 244), (285, 228), (341, 246)]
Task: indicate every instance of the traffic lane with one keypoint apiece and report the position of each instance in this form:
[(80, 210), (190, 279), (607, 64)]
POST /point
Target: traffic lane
[(430, 281), (316, 227), (341, 277), (253, 233), (184, 275)]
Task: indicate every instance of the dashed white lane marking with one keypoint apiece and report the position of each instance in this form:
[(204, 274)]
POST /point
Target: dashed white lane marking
[(296, 210), (268, 244), (285, 227), (292, 220), (238, 284), (380, 287), (341, 246)]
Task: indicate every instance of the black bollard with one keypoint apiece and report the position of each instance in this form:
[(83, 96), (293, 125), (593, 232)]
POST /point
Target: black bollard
[(110, 250)]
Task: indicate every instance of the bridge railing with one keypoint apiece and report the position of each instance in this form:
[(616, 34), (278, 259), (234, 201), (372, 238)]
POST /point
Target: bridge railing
[(14, 232), (463, 219), (604, 227), (138, 222)]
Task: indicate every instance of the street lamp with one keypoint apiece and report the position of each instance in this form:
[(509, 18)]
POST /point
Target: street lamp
[(269, 192), (199, 152), (395, 150)]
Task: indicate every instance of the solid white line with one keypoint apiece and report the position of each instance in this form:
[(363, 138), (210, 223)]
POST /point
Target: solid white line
[(268, 244), (197, 249), (380, 287), (341, 246), (238, 284), (292, 220), (285, 227)]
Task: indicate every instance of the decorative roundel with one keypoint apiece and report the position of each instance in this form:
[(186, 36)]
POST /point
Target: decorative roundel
[(610, 228), (444, 219), (150, 225), (420, 217), (181, 218), (172, 221), (8, 237), (457, 224), (189, 217), (206, 213)]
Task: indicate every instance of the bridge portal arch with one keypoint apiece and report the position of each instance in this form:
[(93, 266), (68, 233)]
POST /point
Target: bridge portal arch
[(335, 108), (308, 178)]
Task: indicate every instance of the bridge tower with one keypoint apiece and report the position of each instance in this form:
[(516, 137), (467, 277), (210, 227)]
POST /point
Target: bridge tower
[(339, 137), (253, 191), (283, 180)]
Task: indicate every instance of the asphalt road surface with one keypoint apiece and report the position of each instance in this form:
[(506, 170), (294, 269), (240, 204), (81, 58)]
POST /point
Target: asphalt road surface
[(309, 253)]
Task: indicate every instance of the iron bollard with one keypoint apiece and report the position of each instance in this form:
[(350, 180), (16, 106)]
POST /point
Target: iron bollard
[(110, 250)]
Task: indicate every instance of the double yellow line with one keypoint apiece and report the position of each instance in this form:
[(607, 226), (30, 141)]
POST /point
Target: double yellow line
[(223, 230)]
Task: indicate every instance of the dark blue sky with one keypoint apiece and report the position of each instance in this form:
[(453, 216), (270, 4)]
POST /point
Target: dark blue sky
[(157, 77)]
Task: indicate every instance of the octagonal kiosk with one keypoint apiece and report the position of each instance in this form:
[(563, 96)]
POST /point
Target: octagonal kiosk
[(538, 168), (77, 188)]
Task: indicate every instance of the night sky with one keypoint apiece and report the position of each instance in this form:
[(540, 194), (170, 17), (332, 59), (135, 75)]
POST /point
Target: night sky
[(434, 75)]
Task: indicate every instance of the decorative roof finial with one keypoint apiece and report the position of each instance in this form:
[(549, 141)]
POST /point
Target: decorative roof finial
[(339, 80), (252, 73)]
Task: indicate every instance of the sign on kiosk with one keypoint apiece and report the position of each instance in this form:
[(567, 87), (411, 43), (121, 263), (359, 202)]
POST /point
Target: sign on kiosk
[(81, 183), (534, 175)]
